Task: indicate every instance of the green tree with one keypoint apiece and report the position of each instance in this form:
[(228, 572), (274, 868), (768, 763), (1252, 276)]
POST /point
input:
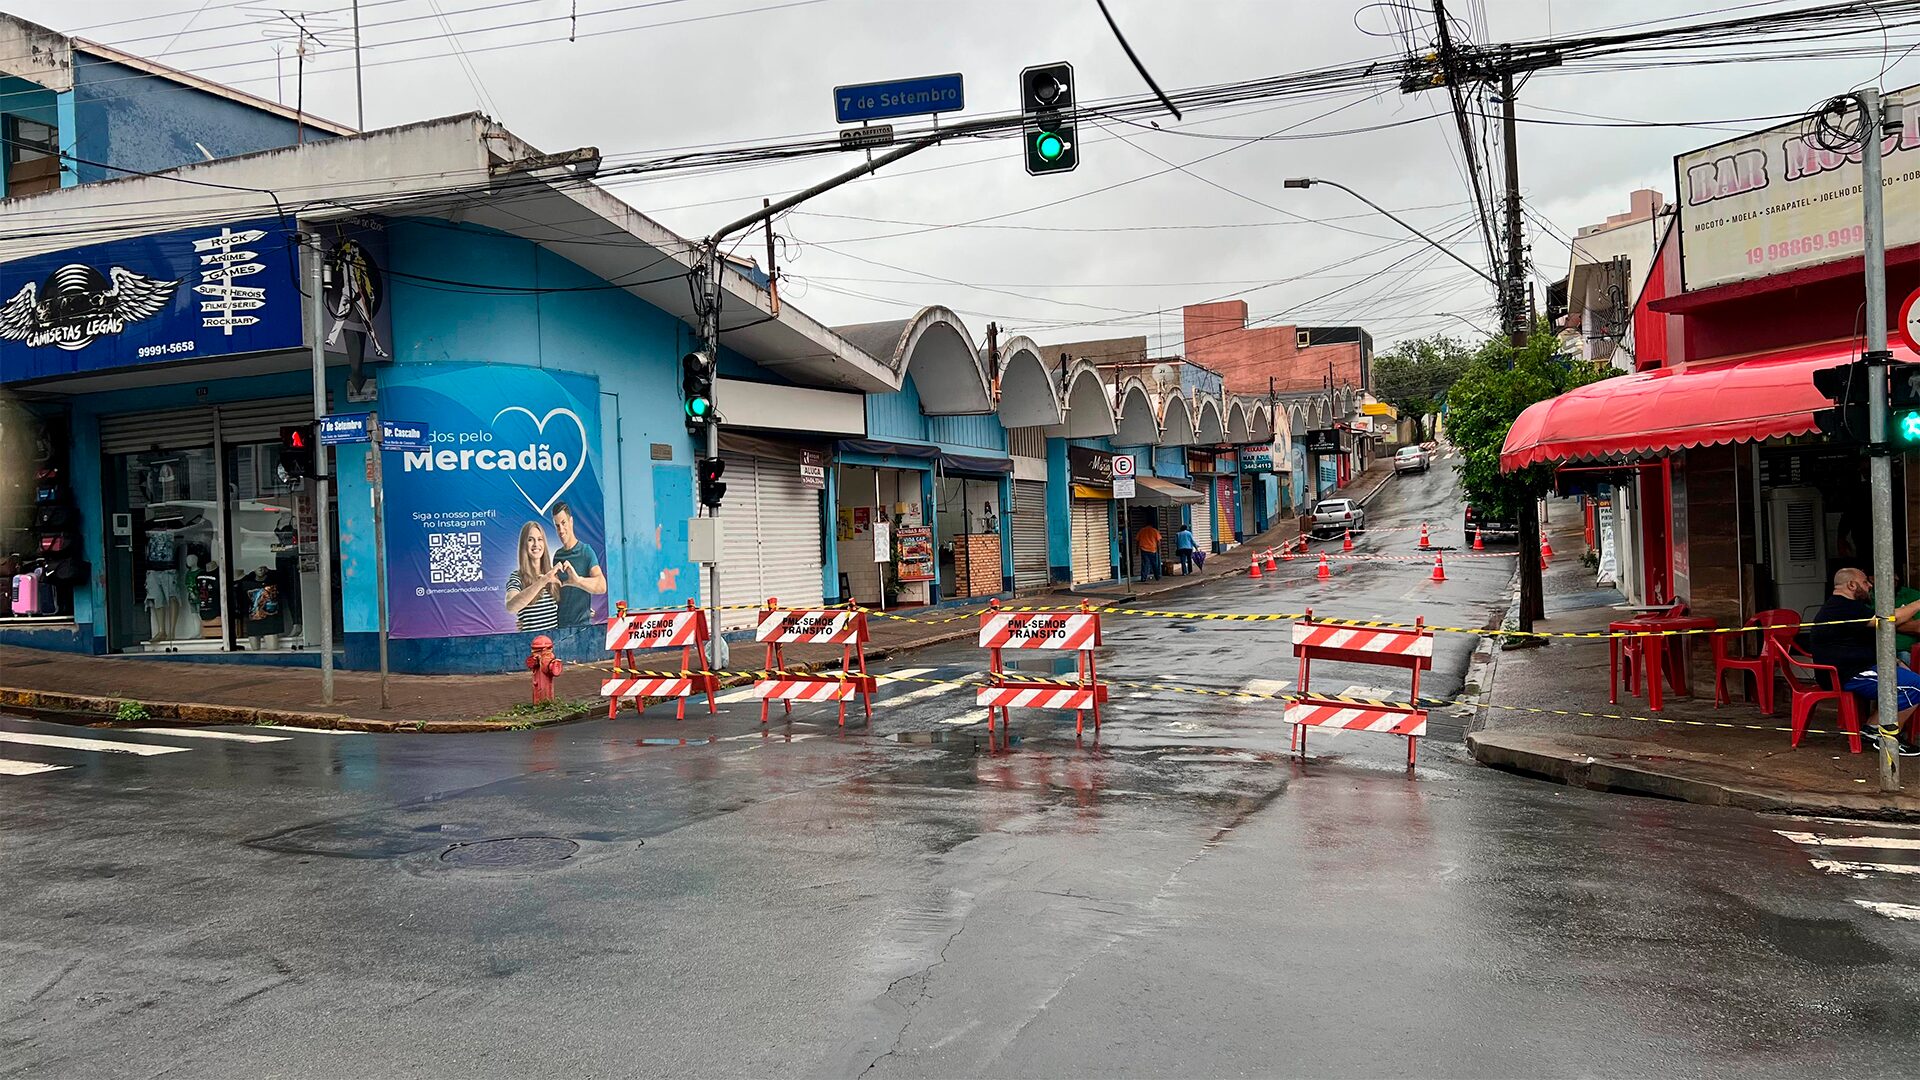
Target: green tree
[(1414, 376), (1489, 395)]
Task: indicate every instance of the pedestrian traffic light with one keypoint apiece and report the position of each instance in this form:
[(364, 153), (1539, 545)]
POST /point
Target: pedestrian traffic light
[(696, 384), (1046, 106), (1903, 401), (1846, 386), (296, 453), (711, 489)]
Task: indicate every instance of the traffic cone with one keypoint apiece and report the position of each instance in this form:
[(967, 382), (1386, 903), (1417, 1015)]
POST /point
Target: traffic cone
[(1546, 549), (1477, 545), (1346, 543), (1424, 542), (1543, 560), (1286, 551), (1272, 566), (1325, 571), (1253, 568), (1439, 571)]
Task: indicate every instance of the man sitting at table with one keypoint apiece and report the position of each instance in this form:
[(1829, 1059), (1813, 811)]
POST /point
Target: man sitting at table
[(1844, 638)]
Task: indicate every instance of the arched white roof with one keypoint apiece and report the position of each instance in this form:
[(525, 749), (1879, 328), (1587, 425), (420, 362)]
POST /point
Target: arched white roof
[(1208, 429), (1237, 429), (935, 348), (1260, 422), (1029, 391), (1136, 424), (1089, 408), (1176, 421)]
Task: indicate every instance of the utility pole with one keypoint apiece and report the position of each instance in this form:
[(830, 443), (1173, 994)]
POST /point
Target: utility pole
[(322, 461), (359, 92), (1873, 125)]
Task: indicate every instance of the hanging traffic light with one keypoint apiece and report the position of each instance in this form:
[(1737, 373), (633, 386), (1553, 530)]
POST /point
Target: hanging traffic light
[(296, 453), (696, 385), (1046, 105), (711, 489), (1846, 386)]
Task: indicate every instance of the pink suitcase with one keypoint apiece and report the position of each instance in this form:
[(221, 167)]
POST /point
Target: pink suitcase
[(31, 594)]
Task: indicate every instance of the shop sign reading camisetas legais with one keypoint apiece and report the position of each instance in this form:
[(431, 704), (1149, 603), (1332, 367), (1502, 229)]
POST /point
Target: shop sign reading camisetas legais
[(211, 291)]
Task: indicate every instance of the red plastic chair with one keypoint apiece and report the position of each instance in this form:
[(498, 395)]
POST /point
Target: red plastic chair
[(1779, 625), (1808, 683)]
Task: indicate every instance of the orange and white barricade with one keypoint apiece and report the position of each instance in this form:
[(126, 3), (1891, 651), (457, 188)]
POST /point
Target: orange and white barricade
[(629, 632), (1410, 648), (1078, 631), (845, 627)]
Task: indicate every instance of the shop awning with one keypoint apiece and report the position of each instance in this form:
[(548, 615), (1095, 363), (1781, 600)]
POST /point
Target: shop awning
[(976, 464), (1154, 491), (1700, 404)]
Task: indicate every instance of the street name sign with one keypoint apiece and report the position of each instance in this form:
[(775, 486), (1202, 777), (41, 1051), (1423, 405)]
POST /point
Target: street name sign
[(901, 97), (405, 435), (340, 428)]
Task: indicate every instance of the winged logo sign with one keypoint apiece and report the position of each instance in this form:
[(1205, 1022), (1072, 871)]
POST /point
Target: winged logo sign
[(186, 295)]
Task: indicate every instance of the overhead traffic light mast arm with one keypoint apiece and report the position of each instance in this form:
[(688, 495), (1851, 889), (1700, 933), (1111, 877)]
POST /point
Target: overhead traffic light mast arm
[(1309, 181)]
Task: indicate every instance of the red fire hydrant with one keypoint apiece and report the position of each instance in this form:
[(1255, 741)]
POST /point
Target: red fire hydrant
[(545, 666)]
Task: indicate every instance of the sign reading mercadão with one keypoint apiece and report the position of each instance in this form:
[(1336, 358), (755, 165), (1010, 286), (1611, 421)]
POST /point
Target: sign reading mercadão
[(190, 294), (902, 97)]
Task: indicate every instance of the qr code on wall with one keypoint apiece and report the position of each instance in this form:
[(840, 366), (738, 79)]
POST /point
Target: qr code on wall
[(453, 558)]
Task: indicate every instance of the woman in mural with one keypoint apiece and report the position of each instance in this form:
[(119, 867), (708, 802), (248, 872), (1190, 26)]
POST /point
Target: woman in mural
[(533, 590)]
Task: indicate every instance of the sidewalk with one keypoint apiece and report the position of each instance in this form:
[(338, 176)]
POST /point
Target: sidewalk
[(1545, 712)]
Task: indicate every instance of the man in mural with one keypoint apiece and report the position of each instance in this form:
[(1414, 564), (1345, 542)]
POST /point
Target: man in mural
[(581, 578)]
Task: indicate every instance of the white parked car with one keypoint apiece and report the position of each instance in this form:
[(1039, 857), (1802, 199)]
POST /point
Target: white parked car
[(1331, 517), (1411, 459)]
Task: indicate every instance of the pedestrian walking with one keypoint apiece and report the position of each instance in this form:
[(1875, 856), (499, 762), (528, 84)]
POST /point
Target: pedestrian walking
[(1148, 540), (1183, 547)]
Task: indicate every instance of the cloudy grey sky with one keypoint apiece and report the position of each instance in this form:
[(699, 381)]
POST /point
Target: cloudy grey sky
[(639, 78)]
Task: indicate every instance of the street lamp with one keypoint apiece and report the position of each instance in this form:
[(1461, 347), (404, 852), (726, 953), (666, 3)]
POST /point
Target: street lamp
[(1309, 181), (1462, 318)]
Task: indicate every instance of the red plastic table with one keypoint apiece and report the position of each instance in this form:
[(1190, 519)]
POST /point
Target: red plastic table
[(1654, 649)]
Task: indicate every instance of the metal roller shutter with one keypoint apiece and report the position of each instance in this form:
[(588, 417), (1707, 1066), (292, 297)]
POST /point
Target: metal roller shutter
[(771, 524), (1202, 514), (1092, 541), (134, 433), (1030, 565), (1223, 509)]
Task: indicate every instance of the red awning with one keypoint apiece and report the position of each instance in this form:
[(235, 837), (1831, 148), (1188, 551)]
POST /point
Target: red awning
[(1700, 404)]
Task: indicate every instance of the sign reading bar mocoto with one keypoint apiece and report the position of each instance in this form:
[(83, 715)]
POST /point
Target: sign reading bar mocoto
[(901, 97), (1777, 200), (186, 295)]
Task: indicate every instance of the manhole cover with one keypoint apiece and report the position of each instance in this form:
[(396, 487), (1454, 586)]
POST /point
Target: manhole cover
[(511, 851)]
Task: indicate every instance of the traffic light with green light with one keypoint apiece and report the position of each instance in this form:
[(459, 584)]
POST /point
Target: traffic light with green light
[(1046, 107), (696, 385), (1903, 403)]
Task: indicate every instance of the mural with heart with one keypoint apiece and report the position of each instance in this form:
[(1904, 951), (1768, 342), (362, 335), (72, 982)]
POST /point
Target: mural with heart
[(501, 526)]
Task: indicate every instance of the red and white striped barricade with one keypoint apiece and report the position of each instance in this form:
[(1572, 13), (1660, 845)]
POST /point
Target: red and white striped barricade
[(629, 632), (845, 627), (1076, 631), (1410, 648)]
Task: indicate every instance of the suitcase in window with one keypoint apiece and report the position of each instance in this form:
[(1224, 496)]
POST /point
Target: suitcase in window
[(31, 594)]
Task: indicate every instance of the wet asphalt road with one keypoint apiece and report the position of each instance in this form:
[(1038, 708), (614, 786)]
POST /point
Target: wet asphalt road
[(1177, 898)]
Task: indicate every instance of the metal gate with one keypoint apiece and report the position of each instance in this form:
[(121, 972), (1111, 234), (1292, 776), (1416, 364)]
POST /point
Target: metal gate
[(771, 524), (1092, 541), (1030, 560)]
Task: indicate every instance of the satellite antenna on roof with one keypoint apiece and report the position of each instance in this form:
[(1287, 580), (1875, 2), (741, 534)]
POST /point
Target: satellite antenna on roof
[(307, 32), (1165, 377)]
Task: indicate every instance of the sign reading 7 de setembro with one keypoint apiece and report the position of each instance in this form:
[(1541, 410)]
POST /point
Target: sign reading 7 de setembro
[(902, 97)]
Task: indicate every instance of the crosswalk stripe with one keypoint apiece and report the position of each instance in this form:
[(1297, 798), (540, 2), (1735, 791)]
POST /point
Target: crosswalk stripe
[(1265, 687), (203, 733), (974, 717), (1891, 843), (1862, 869), (1906, 912), (9, 767), (68, 742), (317, 730), (1856, 822), (923, 692)]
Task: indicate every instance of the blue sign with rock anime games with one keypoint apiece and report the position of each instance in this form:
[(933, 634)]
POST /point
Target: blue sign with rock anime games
[(190, 294), (498, 524)]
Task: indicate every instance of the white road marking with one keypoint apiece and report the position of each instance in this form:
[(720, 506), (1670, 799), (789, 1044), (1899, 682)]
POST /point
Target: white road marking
[(745, 692), (1891, 843), (924, 692), (315, 730), (737, 694), (1862, 869), (9, 767), (904, 674), (974, 717), (202, 733), (1856, 822), (68, 742), (1266, 687), (1907, 912)]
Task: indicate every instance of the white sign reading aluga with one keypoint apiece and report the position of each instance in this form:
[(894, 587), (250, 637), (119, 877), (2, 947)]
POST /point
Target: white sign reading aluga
[(882, 540)]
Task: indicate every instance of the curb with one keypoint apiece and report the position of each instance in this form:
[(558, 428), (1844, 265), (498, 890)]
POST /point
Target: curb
[(1585, 771), (92, 711)]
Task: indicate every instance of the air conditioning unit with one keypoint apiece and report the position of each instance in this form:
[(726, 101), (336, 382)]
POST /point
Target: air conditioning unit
[(1797, 546)]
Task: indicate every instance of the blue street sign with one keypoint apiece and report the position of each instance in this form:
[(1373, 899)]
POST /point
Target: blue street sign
[(340, 428), (405, 435), (902, 97)]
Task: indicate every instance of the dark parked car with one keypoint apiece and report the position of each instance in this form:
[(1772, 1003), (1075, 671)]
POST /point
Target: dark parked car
[(1490, 528)]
